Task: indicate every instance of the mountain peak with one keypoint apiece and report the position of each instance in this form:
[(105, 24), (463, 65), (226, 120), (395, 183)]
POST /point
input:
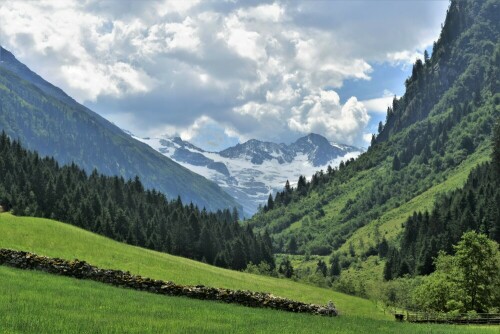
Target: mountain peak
[(313, 138), (315, 135), (319, 150), (257, 152), (185, 144)]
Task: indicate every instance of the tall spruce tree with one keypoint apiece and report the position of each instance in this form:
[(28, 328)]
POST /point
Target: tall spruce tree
[(496, 146)]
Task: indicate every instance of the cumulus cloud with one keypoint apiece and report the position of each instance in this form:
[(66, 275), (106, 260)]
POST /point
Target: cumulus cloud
[(65, 45), (379, 104), (404, 57), (266, 70), (323, 113)]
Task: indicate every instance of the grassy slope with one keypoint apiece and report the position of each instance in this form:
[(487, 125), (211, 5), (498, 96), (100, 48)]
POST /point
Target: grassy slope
[(35, 302), (390, 223), (348, 191), (370, 271), (50, 238)]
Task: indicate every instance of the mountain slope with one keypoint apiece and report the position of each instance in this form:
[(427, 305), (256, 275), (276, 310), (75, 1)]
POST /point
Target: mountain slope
[(444, 120), (251, 171), (474, 207), (45, 119)]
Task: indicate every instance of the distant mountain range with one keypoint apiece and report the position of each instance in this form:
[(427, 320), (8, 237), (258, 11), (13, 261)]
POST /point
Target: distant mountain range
[(47, 120), (252, 170)]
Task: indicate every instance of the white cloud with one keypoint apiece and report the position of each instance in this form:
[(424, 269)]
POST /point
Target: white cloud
[(323, 113), (89, 80), (367, 137), (379, 104), (258, 111), (60, 35), (246, 43), (170, 37), (286, 95), (263, 13), (195, 128), (404, 57), (175, 6)]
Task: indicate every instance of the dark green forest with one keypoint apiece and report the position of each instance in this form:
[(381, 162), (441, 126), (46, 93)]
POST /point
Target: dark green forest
[(124, 210)]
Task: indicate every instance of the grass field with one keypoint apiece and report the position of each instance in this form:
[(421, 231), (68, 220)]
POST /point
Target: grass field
[(35, 302)]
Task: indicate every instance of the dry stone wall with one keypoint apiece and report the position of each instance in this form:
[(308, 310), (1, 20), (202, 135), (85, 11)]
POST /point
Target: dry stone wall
[(83, 270)]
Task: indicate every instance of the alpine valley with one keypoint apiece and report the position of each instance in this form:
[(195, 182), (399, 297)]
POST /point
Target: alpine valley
[(402, 237), (249, 172)]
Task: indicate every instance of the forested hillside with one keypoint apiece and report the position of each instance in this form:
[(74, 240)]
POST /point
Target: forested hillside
[(124, 210), (50, 122), (438, 131), (474, 207)]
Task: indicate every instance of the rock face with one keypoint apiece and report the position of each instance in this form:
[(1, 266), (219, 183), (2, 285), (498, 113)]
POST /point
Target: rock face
[(83, 270)]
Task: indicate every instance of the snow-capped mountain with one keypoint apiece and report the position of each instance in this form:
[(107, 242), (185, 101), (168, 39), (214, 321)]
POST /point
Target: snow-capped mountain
[(252, 170)]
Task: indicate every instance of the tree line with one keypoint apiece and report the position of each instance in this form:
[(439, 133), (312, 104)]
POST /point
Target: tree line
[(124, 210)]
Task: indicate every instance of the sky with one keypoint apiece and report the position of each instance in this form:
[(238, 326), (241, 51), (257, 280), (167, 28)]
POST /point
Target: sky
[(221, 72)]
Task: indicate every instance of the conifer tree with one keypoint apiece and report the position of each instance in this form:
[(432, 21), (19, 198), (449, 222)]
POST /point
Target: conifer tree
[(292, 245), (285, 268), (301, 185), (496, 146), (335, 266), (270, 202), (396, 164), (426, 57), (383, 248), (321, 267)]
